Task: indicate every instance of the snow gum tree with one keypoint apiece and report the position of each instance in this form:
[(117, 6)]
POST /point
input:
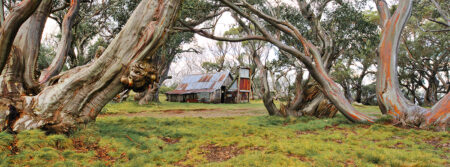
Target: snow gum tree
[(61, 101), (390, 98), (314, 57)]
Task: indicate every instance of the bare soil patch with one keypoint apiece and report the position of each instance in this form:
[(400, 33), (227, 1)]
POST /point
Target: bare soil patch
[(174, 111), (101, 153), (436, 142), (218, 154)]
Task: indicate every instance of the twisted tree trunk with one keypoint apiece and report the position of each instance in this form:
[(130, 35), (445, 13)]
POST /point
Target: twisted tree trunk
[(77, 96), (390, 98)]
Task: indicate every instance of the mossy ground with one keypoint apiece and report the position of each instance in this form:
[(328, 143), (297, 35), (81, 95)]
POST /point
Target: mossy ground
[(230, 141)]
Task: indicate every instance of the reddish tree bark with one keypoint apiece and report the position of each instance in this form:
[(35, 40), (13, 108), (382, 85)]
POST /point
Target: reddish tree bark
[(77, 96), (390, 98)]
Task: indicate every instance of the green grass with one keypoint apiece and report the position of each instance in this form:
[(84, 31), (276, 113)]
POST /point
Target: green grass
[(227, 141), (258, 141), (131, 106)]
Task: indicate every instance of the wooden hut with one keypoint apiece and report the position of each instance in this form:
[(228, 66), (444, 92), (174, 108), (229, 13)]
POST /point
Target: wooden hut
[(219, 87)]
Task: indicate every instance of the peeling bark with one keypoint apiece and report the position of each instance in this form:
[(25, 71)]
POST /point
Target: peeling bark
[(390, 98), (77, 96)]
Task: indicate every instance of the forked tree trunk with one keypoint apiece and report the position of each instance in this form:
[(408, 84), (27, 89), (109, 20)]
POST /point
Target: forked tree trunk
[(77, 96), (390, 98), (359, 85)]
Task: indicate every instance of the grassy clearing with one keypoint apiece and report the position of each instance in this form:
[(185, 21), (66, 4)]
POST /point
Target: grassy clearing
[(236, 141), (228, 141), (131, 106)]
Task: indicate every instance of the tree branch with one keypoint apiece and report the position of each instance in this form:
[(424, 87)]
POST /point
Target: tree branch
[(61, 7), (211, 36), (208, 17), (439, 22), (442, 12), (274, 22), (28, 41), (65, 43), (444, 30)]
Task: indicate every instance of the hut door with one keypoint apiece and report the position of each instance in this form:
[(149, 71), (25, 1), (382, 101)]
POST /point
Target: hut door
[(222, 94)]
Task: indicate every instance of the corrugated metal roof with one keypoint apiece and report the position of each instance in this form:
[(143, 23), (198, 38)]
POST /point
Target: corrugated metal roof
[(200, 83)]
